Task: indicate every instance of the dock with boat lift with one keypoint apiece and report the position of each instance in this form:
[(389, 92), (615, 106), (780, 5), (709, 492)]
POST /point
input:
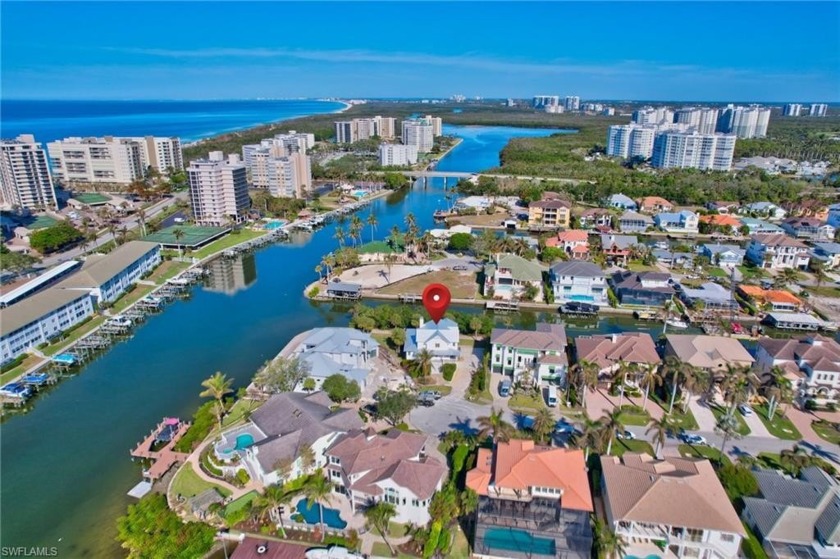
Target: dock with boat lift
[(168, 432)]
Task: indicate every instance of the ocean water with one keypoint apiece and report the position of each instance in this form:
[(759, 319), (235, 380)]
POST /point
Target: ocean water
[(190, 120)]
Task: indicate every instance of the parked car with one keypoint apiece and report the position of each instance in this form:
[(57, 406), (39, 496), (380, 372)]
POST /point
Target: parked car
[(691, 438), (563, 427), (745, 410), (433, 394), (459, 268), (626, 435), (504, 387), (425, 399)]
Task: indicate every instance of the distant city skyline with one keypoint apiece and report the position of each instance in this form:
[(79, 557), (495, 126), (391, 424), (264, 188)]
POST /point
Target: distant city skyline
[(619, 51)]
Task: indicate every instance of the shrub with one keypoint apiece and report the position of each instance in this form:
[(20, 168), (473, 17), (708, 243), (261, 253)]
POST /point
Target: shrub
[(751, 547), (811, 405), (243, 477), (459, 458), (13, 363), (331, 539), (203, 422), (738, 481), (448, 371), (831, 406), (314, 292)]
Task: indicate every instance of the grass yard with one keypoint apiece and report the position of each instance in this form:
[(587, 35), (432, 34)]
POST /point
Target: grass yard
[(824, 291), (752, 273), (717, 273), (743, 429), (633, 415), (460, 546), (702, 451), (620, 446), (167, 270), (241, 502), (188, 484), (239, 410), (30, 361), (380, 549), (128, 299), (637, 266), (780, 426), (523, 402), (228, 241), (827, 431), (74, 335), (681, 420), (462, 286)]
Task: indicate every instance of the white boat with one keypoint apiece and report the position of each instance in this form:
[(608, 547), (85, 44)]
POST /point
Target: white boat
[(676, 323), (334, 552), (663, 245)]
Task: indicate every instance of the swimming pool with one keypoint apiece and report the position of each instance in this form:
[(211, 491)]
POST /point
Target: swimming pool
[(360, 193), (581, 298), (637, 557), (518, 540), (243, 441), (272, 225), (332, 517)]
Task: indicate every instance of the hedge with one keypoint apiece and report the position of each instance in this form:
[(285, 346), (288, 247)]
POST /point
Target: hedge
[(448, 371)]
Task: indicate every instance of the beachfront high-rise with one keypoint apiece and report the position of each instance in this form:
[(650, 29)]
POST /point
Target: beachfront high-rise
[(651, 115), (571, 103), (544, 101), (631, 140), (792, 109), (25, 180), (397, 155), (218, 189), (349, 131), (818, 109), (437, 124), (112, 159), (744, 122), (711, 152), (702, 119), (418, 133), (280, 164)]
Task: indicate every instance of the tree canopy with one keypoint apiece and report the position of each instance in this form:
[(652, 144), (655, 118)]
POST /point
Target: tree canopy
[(394, 406), (341, 389), (282, 374), (460, 241), (54, 238), (16, 261)]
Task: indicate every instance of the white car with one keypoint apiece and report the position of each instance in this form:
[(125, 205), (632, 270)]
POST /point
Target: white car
[(626, 435), (694, 439), (745, 410)]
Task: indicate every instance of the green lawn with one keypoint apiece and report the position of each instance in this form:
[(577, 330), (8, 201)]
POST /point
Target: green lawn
[(128, 299), (519, 402), (681, 420), (827, 431), (752, 273), (168, 270), (397, 530), (717, 273), (780, 426), (637, 266), (632, 415), (240, 503), (380, 549), (238, 412), (74, 335), (460, 546), (702, 451), (188, 484), (620, 446), (825, 291), (743, 429), (228, 241), (28, 362)]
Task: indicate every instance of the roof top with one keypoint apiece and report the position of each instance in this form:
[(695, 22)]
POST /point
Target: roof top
[(552, 204), (573, 235), (717, 248), (800, 317), (654, 201), (620, 241), (709, 291), (721, 219), (612, 349), (630, 215), (27, 311), (547, 337), (708, 351), (98, 269), (519, 464), (777, 239), (674, 491), (577, 268), (810, 349), (338, 340), (520, 268)]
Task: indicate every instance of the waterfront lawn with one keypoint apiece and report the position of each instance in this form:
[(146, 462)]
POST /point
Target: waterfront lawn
[(140, 290), (380, 549), (29, 361), (702, 451), (188, 484), (827, 431), (525, 403), (824, 291), (460, 285), (743, 429), (620, 446), (634, 415), (168, 270), (240, 503), (780, 426), (229, 240), (238, 412), (74, 335)]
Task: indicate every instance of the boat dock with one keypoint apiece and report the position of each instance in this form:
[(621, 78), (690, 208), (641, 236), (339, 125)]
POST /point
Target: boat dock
[(158, 447)]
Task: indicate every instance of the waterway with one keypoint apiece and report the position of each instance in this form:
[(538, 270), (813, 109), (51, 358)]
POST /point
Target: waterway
[(65, 467)]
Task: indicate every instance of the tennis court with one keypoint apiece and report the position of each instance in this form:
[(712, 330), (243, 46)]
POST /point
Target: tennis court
[(91, 198), (41, 222), (193, 236)]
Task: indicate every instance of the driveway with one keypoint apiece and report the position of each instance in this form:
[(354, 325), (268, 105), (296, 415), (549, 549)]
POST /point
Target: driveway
[(757, 428), (705, 418)]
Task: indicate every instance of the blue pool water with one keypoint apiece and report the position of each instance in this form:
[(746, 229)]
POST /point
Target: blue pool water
[(332, 518), (583, 298), (518, 540), (360, 193), (272, 225), (243, 441), (648, 557)]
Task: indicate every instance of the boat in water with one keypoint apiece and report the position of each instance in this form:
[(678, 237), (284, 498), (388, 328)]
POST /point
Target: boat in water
[(579, 309), (676, 323), (334, 552)]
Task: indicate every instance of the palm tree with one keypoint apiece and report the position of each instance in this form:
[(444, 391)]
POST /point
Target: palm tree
[(660, 429), (777, 388), (592, 436), (319, 270), (650, 379), (393, 240), (727, 427), (612, 423), (372, 221), (317, 489), (674, 366), (379, 515), (587, 373), (141, 217), (217, 387), (819, 272), (274, 497), (544, 424), (787, 277), (423, 363), (494, 426), (339, 236), (179, 234), (795, 459), (609, 544)]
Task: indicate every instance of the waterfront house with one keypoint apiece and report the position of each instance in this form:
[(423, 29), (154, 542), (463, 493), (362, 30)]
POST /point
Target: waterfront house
[(617, 248), (574, 242), (621, 202), (510, 275), (713, 353), (759, 226), (725, 256), (833, 215), (795, 517), (684, 221), (107, 276), (441, 339), (549, 213), (540, 353), (650, 289), (344, 290), (611, 350), (595, 218), (330, 351), (633, 222), (671, 258), (286, 437), (777, 251), (811, 363), (774, 300), (826, 253), (709, 296), (393, 468), (675, 505), (764, 209), (655, 204), (533, 501), (580, 282), (40, 318), (793, 321), (723, 207), (725, 223), (474, 203), (808, 228)]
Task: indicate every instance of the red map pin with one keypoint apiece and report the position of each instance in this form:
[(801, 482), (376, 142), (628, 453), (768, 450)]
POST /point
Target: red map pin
[(436, 299)]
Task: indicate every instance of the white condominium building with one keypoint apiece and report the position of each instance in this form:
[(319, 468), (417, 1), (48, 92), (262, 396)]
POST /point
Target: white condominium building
[(818, 109), (436, 122), (160, 153), (702, 119), (690, 149), (630, 140), (218, 189), (397, 155), (650, 115), (418, 133), (25, 180), (572, 103), (543, 101), (744, 122), (349, 131), (792, 109), (284, 176)]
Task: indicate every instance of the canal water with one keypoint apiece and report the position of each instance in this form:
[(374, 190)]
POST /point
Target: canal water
[(65, 464)]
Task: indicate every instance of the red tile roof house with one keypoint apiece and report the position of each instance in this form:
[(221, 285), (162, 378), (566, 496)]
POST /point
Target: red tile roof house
[(811, 363), (574, 242), (393, 468), (655, 204), (533, 501), (611, 350)]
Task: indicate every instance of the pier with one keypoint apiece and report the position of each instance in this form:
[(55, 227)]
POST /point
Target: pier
[(167, 433)]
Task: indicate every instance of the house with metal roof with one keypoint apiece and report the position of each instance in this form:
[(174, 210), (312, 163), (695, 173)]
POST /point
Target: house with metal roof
[(650, 289), (441, 339), (796, 517), (684, 221), (538, 354), (725, 256), (510, 275), (533, 501), (621, 202), (633, 222), (710, 296), (344, 351), (676, 505), (578, 281)]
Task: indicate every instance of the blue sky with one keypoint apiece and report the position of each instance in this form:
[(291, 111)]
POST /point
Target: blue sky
[(629, 50)]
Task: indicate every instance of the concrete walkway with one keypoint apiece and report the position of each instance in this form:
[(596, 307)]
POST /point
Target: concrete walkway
[(706, 421), (194, 460), (757, 428)]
